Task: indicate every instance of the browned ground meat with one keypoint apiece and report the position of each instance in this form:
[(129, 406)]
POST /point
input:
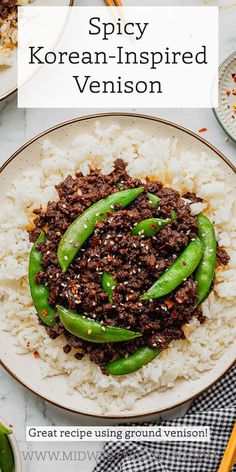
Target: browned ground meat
[(135, 262), (7, 7), (222, 256)]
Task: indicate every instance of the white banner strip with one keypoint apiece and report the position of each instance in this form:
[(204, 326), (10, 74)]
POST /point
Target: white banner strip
[(117, 433), (146, 57)]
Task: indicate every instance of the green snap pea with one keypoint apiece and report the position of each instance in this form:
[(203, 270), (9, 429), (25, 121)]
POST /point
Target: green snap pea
[(182, 268), (153, 199), (39, 292), (205, 272), (91, 330), (150, 227), (6, 455), (108, 284), (83, 226), (127, 365), (4, 430)]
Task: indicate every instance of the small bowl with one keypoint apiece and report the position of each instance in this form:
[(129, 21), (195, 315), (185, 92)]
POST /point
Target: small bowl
[(225, 113), (15, 449)]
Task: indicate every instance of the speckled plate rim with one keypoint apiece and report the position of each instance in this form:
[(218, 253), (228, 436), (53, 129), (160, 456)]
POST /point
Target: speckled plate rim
[(147, 414), (14, 89), (222, 68)]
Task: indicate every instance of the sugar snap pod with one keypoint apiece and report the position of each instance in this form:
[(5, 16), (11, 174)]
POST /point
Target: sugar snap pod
[(205, 272), (91, 330), (39, 292), (83, 226), (6, 455), (127, 365), (182, 268)]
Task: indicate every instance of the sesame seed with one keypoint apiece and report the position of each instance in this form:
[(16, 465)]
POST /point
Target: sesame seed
[(66, 258), (85, 226), (89, 331), (108, 284), (103, 328)]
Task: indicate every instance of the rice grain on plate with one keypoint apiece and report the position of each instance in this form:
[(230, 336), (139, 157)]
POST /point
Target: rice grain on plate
[(8, 29), (157, 157)]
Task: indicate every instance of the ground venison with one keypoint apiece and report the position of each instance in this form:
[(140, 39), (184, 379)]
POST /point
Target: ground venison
[(135, 262)]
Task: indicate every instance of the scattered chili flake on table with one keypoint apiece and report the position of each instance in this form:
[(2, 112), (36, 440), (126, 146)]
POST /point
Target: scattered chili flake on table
[(202, 130), (228, 92), (36, 354)]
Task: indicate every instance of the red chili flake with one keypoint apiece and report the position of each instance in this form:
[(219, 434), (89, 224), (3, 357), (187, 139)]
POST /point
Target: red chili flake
[(11, 426), (228, 92), (36, 354), (28, 344), (44, 313), (95, 242), (202, 130), (234, 91), (169, 303), (234, 77)]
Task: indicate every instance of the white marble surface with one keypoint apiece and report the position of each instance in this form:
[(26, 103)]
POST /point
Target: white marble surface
[(17, 406)]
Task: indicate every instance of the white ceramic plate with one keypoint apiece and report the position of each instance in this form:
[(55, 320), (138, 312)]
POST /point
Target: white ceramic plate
[(226, 113), (24, 368), (15, 449), (8, 75)]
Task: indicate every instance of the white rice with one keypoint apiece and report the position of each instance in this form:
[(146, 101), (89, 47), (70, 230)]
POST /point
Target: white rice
[(165, 160), (8, 36)]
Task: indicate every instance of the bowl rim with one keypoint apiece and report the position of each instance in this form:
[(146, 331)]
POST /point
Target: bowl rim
[(216, 109), (14, 89), (116, 115), (15, 449)]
